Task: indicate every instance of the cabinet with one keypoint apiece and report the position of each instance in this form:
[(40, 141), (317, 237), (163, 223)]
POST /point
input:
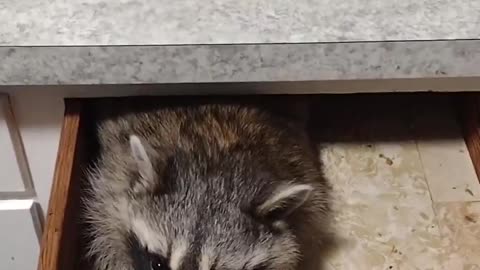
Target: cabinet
[(20, 218), (19, 233), (14, 173)]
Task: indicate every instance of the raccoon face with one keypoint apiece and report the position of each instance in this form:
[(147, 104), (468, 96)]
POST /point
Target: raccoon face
[(201, 227), (156, 245)]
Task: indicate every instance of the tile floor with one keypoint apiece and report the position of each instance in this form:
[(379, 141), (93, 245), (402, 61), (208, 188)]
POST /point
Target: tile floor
[(405, 192)]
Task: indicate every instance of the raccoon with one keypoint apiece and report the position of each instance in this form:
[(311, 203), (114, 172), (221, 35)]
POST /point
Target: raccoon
[(205, 187)]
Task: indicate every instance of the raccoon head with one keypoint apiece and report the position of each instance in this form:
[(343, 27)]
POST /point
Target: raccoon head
[(175, 221)]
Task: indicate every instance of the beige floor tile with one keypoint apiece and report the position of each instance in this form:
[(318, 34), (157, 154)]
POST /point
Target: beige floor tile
[(402, 179), (460, 230), (447, 164), (449, 171), (383, 211)]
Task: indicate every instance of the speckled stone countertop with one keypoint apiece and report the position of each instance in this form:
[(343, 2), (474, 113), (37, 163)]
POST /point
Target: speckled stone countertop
[(45, 42)]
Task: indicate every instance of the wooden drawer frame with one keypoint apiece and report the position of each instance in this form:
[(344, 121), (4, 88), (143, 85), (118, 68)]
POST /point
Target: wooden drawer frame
[(61, 243)]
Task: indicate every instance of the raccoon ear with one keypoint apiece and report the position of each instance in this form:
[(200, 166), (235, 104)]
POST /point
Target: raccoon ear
[(142, 160), (283, 201)]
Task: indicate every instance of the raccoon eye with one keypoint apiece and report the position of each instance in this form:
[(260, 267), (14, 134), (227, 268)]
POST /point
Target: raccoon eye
[(158, 263)]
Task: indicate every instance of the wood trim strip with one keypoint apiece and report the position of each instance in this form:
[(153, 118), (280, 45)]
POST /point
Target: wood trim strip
[(60, 236), (468, 106)]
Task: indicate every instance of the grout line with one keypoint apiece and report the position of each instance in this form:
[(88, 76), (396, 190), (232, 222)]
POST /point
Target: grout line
[(427, 182), (422, 165), (424, 170), (414, 128)]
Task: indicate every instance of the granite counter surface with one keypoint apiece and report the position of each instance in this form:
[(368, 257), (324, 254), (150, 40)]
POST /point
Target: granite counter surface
[(56, 42), (166, 22)]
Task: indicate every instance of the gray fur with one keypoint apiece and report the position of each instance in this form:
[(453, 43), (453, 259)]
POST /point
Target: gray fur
[(213, 192)]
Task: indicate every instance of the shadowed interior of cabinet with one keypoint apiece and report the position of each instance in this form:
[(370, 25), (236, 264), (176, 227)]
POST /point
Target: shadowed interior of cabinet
[(405, 190)]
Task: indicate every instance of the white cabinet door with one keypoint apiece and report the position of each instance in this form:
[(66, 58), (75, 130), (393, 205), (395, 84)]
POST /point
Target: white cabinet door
[(20, 226), (14, 173), (39, 117), (19, 235)]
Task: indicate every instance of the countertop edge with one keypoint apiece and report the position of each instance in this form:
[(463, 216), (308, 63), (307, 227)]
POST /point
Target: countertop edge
[(84, 65)]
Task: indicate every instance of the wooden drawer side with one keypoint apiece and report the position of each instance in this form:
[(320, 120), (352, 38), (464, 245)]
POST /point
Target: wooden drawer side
[(59, 246)]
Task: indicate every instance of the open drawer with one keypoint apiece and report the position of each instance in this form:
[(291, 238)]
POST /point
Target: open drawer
[(64, 238), (64, 241)]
